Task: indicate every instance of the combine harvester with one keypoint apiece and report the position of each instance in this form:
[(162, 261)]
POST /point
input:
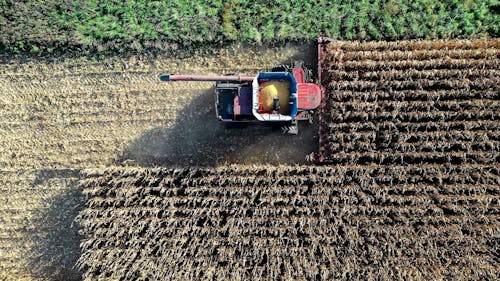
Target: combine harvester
[(281, 97)]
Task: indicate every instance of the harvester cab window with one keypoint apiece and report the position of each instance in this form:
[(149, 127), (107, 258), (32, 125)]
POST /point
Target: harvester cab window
[(276, 104)]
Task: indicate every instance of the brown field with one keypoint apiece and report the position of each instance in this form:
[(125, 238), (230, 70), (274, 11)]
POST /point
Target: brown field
[(424, 222), (62, 115), (410, 130), (412, 102)]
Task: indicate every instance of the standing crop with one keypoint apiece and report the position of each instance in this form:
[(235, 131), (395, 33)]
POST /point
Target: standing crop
[(411, 102), (291, 222)]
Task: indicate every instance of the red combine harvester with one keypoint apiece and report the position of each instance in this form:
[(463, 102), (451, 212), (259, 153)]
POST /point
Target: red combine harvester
[(282, 97)]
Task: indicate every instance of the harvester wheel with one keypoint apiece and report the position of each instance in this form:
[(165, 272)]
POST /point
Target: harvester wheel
[(292, 129)]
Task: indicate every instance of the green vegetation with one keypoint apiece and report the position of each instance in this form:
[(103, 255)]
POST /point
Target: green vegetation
[(112, 25)]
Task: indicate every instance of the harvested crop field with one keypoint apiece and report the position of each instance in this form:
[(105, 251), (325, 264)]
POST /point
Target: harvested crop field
[(411, 102), (421, 222), (61, 115)]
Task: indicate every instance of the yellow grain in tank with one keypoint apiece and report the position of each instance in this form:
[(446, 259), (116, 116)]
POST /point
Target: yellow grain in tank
[(269, 90)]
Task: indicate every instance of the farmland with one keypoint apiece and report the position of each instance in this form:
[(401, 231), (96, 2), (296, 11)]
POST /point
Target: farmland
[(411, 102), (107, 173), (62, 115), (410, 135), (291, 223)]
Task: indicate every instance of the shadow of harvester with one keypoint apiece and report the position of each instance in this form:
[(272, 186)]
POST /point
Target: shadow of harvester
[(198, 139), (54, 233)]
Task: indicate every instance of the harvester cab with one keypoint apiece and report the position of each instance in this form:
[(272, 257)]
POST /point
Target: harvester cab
[(282, 97)]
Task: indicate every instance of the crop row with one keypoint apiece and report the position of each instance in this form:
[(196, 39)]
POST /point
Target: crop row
[(431, 83), (413, 74), (442, 63), (421, 96), (421, 54), (410, 102), (299, 222), (412, 45)]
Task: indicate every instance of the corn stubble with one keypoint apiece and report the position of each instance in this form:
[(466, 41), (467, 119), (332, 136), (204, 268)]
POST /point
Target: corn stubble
[(410, 130)]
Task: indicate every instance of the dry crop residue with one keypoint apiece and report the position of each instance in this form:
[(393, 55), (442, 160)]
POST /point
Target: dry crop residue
[(62, 115), (291, 223)]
